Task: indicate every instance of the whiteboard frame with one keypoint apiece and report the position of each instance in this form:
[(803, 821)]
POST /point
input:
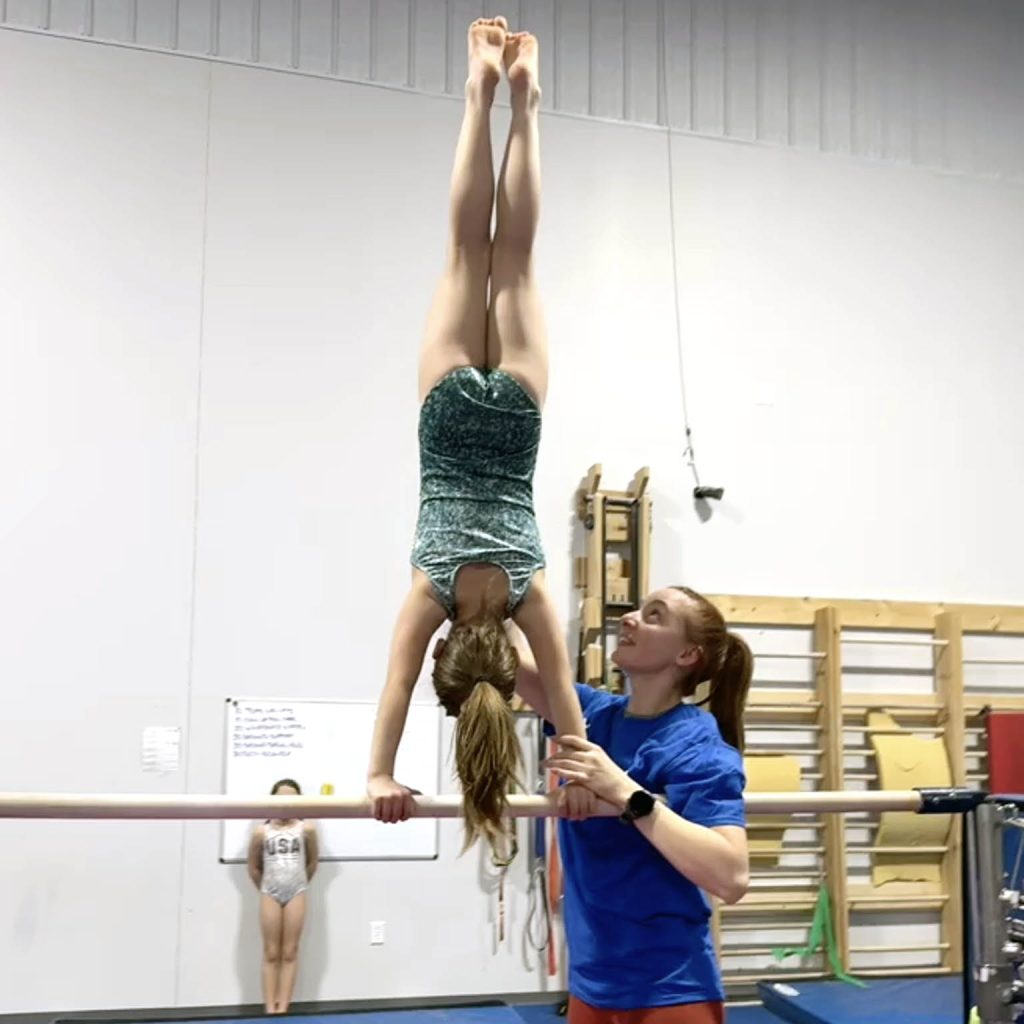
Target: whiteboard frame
[(228, 701)]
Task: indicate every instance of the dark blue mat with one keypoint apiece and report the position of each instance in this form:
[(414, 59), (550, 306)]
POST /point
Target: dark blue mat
[(749, 1015), (895, 1001), (543, 1013), (538, 1013), (443, 1015), (517, 1013)]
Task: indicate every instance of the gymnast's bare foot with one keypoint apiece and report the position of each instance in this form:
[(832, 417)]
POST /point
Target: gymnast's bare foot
[(486, 48), (521, 65)]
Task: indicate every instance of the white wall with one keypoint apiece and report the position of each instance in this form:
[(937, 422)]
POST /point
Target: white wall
[(934, 83), (852, 341), (102, 181), (259, 249)]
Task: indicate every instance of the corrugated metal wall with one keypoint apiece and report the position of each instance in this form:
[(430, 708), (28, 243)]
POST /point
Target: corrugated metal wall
[(939, 83)]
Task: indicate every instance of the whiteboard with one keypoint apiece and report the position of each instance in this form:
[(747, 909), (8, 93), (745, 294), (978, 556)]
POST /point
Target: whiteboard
[(327, 743)]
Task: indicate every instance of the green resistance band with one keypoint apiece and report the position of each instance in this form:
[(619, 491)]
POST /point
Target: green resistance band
[(822, 935)]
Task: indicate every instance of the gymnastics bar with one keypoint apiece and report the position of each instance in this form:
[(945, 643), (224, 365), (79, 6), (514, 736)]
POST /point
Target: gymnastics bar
[(181, 807)]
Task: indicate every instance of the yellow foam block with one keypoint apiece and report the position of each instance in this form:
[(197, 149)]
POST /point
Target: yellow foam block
[(770, 773), (907, 761)]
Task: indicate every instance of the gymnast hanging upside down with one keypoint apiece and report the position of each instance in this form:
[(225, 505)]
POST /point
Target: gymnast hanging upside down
[(483, 374)]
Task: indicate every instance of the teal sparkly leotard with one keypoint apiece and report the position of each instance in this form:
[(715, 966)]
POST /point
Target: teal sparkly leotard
[(479, 435)]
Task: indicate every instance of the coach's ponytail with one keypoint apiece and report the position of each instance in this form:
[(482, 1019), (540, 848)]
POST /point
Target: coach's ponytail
[(729, 688), (726, 664)]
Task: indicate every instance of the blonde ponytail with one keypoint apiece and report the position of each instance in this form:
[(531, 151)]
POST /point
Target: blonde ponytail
[(474, 677), (487, 760)]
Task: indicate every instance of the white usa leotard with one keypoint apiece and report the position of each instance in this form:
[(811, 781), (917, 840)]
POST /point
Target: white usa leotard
[(284, 861)]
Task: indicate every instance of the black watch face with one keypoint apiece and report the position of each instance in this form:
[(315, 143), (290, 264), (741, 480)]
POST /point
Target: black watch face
[(641, 802)]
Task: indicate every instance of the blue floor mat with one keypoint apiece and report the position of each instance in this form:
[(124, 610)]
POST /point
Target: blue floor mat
[(538, 1013), (517, 1013), (441, 1015), (896, 1001), (749, 1015), (544, 1013)]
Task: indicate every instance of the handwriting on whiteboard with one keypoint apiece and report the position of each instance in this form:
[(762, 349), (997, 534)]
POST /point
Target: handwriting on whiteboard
[(266, 732)]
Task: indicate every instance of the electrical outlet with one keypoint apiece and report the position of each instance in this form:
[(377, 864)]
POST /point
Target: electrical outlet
[(376, 933)]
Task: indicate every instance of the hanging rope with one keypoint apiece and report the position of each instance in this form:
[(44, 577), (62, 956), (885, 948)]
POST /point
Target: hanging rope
[(689, 453)]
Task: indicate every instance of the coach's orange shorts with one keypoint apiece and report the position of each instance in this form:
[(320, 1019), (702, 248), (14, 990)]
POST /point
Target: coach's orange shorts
[(685, 1013)]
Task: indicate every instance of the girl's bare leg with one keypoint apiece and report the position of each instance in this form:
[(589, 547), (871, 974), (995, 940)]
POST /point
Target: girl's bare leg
[(516, 334), (456, 333), (271, 920), (294, 918)]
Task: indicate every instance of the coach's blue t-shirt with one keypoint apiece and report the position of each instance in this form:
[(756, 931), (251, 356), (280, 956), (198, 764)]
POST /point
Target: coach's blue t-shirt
[(638, 930)]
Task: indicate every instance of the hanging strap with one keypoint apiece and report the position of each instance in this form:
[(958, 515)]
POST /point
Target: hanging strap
[(822, 936), (554, 871), (501, 907), (538, 920), (539, 916)]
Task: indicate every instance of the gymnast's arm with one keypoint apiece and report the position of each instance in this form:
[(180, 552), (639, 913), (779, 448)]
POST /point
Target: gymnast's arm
[(255, 860), (419, 618), (312, 850), (528, 684), (554, 698)]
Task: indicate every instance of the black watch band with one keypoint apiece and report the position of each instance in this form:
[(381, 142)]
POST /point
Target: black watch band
[(639, 805)]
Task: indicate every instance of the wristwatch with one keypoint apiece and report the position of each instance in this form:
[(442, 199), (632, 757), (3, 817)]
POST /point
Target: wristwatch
[(639, 805)]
